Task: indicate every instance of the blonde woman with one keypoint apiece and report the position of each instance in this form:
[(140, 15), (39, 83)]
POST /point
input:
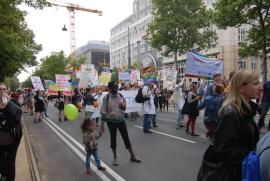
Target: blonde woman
[(236, 134)]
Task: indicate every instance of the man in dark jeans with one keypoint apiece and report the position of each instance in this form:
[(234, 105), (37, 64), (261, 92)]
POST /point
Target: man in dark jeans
[(265, 103), (10, 134)]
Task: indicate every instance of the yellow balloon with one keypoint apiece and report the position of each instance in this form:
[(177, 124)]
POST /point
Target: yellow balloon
[(71, 112)]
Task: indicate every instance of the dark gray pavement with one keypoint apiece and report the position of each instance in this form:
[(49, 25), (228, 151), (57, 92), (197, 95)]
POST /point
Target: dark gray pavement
[(167, 154)]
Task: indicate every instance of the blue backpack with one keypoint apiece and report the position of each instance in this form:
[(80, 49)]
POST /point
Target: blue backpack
[(251, 166)]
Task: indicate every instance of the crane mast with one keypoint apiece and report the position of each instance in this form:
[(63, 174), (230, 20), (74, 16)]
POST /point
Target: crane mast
[(71, 8)]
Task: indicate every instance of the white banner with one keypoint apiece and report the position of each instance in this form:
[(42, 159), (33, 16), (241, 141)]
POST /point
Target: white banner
[(87, 72), (87, 75), (170, 74), (131, 105), (37, 84)]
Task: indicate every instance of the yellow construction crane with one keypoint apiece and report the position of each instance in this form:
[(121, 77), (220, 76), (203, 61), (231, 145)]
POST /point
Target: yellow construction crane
[(71, 8)]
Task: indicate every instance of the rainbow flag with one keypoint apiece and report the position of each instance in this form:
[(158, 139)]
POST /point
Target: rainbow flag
[(69, 68)]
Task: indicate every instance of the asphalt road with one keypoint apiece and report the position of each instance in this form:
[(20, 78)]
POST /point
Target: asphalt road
[(167, 154)]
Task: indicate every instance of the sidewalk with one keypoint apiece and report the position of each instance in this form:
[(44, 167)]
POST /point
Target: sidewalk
[(23, 172)]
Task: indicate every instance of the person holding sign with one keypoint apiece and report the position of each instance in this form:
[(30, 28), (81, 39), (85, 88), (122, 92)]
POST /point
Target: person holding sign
[(88, 100)]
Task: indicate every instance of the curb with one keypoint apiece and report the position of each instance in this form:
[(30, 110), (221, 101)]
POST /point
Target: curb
[(31, 159)]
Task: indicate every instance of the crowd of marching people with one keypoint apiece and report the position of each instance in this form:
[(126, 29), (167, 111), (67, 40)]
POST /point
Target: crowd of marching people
[(229, 110)]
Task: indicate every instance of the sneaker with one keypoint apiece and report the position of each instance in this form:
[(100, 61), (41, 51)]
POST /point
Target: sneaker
[(147, 131), (35, 121), (115, 162), (65, 119), (101, 168), (60, 120), (88, 171), (155, 126), (134, 159)]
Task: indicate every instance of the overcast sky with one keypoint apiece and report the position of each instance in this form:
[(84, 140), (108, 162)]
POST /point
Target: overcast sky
[(47, 24)]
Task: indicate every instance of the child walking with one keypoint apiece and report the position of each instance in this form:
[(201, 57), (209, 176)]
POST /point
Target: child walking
[(90, 142)]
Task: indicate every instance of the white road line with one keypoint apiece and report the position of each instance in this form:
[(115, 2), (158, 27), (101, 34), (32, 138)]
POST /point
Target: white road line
[(108, 169), (164, 119), (179, 138), (78, 153)]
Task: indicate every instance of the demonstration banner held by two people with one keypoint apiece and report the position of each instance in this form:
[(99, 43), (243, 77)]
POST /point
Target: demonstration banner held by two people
[(131, 105), (200, 66)]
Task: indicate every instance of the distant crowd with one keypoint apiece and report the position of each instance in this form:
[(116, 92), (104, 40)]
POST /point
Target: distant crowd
[(229, 107)]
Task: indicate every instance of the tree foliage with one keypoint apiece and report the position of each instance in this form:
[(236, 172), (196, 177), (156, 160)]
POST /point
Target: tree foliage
[(12, 83), (114, 76), (180, 25), (254, 13), (17, 45), (51, 65), (77, 63), (27, 83)]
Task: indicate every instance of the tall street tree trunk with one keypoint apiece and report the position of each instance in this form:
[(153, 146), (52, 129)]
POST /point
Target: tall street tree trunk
[(264, 60)]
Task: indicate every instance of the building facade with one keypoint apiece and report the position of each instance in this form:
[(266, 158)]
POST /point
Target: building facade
[(95, 52), (129, 34), (133, 29)]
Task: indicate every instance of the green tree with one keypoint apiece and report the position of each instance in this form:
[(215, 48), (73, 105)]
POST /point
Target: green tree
[(234, 13), (27, 83), (17, 45), (77, 63), (114, 76), (135, 65), (12, 83), (51, 65), (179, 26)]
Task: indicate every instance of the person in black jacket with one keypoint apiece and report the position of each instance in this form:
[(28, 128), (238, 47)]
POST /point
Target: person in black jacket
[(10, 134), (236, 134)]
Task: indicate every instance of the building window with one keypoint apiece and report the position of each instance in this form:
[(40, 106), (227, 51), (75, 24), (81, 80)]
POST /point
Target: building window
[(242, 64), (253, 63), (241, 35)]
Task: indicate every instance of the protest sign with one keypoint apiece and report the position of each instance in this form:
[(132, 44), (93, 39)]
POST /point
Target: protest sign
[(37, 84), (148, 74), (124, 75), (62, 82), (200, 66)]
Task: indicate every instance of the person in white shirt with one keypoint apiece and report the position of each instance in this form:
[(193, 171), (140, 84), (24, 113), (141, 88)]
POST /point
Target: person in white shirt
[(148, 108), (180, 101)]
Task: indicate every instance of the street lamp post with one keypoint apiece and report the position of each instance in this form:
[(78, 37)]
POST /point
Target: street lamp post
[(129, 58)]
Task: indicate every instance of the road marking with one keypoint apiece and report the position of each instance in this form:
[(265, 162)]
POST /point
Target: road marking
[(199, 123), (179, 138), (78, 153), (108, 169)]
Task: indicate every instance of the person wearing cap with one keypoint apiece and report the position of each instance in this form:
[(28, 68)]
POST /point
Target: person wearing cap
[(112, 112)]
